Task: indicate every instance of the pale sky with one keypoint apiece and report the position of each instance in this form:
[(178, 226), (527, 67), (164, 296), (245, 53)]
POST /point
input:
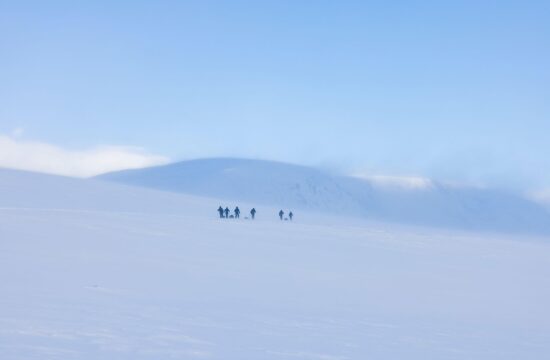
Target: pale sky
[(455, 91)]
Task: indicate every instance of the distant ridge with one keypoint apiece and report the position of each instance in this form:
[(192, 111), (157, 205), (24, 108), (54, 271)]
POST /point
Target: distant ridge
[(301, 187)]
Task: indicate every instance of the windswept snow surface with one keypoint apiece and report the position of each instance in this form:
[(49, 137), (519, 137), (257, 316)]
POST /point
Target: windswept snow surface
[(92, 270)]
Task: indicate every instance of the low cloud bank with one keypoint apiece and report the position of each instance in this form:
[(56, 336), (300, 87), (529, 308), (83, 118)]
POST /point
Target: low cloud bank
[(541, 196), (46, 158), (404, 182)]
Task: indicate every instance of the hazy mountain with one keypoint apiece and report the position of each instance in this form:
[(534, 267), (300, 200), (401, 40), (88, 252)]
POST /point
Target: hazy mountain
[(298, 187)]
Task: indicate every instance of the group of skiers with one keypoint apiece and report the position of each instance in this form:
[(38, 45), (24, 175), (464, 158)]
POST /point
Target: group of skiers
[(282, 215), (225, 214)]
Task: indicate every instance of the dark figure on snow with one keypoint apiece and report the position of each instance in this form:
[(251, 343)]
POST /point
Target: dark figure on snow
[(281, 214), (220, 210), (290, 215), (237, 212), (253, 213), (226, 212)]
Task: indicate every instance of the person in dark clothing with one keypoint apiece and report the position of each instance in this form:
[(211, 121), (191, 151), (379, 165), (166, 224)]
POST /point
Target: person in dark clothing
[(226, 211), (281, 214), (220, 210), (290, 215), (237, 212), (253, 213)]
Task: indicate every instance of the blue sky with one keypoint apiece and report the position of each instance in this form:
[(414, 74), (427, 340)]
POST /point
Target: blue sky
[(457, 91)]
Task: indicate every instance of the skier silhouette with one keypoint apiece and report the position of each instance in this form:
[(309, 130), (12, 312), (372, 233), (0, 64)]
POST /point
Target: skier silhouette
[(220, 210), (281, 214), (290, 215), (226, 211), (237, 212), (253, 213)]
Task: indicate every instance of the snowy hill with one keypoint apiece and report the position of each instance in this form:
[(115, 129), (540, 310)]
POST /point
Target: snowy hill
[(298, 187), (21, 189), (95, 270)]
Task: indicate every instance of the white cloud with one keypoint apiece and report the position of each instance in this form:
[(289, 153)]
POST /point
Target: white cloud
[(17, 133), (404, 182), (540, 196), (47, 158)]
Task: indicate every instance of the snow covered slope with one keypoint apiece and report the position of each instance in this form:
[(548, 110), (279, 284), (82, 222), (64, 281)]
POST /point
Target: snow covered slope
[(291, 186), (93, 270), (20, 189)]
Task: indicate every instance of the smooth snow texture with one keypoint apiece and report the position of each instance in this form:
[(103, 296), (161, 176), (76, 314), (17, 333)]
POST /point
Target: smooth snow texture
[(92, 270), (420, 202)]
